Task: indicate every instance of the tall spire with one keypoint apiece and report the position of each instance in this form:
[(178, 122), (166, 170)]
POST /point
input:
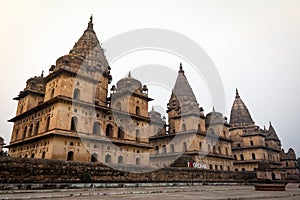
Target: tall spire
[(240, 115), (89, 48), (183, 94)]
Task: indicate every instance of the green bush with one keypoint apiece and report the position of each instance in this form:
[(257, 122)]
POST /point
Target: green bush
[(86, 177)]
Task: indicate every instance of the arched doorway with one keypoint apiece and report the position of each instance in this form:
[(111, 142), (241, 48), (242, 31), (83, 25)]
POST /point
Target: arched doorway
[(94, 157), (70, 156)]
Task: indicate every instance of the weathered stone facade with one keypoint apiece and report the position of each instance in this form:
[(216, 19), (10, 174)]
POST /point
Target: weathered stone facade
[(68, 115), (205, 139)]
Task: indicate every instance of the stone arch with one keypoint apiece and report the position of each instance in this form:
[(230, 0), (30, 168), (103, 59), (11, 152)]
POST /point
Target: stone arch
[(108, 158), (137, 161), (109, 131), (94, 157), (251, 143), (253, 156), (242, 157), (137, 110), (74, 122), (164, 149), (172, 149), (70, 156), (96, 128), (30, 131), (183, 127), (76, 94), (120, 160), (47, 124), (36, 128), (24, 132), (137, 135), (121, 133)]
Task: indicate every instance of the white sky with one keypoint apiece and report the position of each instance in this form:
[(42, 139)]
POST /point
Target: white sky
[(254, 44)]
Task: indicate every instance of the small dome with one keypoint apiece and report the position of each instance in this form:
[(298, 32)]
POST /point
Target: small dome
[(154, 114), (129, 83)]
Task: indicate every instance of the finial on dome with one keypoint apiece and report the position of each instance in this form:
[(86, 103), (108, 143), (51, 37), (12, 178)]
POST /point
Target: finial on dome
[(270, 123), (180, 68), (237, 93), (90, 26), (129, 74), (213, 109), (42, 75), (152, 108)]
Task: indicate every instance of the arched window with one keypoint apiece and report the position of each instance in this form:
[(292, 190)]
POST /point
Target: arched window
[(71, 144), (243, 169), (43, 155), (251, 143), (156, 150), (120, 160), (200, 145), (183, 127), (253, 156), (210, 167), (94, 157), (137, 135), (264, 156), (118, 106), (216, 167), (226, 151), (236, 169), (76, 94), (219, 150), (17, 134), (184, 147), (24, 132), (286, 164), (199, 127), (137, 110), (273, 176), (108, 158), (96, 128), (208, 148), (137, 161), (172, 149), (30, 130), (164, 149), (242, 157), (36, 128), (109, 130), (32, 155), (221, 167), (70, 155), (47, 124), (121, 134), (52, 93), (74, 124), (214, 149)]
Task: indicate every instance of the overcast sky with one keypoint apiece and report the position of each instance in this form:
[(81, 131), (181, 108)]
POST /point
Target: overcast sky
[(254, 44)]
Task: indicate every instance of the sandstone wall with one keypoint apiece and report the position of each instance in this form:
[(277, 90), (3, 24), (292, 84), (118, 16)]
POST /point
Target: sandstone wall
[(22, 170)]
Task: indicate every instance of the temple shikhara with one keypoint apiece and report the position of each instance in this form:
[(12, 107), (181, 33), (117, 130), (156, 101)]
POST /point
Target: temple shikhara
[(72, 114)]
